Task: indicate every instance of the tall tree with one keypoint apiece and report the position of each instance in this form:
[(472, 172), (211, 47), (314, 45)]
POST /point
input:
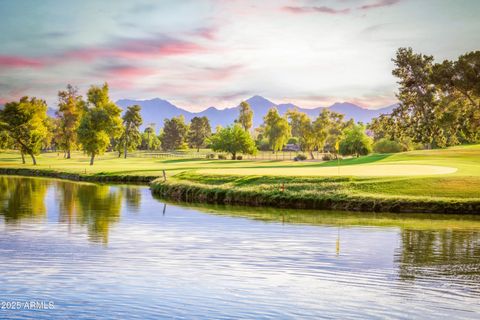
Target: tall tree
[(199, 131), (246, 116), (418, 103), (132, 120), (149, 140), (25, 122), (277, 129), (70, 109), (296, 120), (302, 127), (233, 139), (100, 122), (150, 132), (356, 142), (332, 127), (174, 133)]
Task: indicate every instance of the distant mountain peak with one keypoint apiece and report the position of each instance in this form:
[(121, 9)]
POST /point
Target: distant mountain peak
[(259, 99), (157, 109)]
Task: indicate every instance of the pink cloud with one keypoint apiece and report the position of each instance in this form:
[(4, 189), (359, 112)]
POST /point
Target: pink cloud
[(206, 33), (124, 76), (379, 4), (137, 49), (20, 62), (321, 9), (129, 72)]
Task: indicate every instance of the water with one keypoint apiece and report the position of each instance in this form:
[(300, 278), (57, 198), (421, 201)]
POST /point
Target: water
[(106, 252)]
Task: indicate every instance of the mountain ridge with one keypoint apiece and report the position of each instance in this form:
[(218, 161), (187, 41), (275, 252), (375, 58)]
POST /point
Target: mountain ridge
[(157, 109)]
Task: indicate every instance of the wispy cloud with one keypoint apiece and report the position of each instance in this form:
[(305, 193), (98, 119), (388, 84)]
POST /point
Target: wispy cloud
[(148, 48), (379, 4), (333, 11), (7, 61), (131, 49), (320, 9)]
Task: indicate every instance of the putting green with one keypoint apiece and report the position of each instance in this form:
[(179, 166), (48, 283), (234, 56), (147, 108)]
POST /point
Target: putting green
[(358, 170)]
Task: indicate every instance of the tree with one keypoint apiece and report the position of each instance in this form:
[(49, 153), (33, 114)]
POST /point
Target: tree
[(297, 119), (356, 142), (70, 109), (277, 129), (199, 131), (149, 140), (174, 133), (131, 137), (233, 139), (25, 122), (150, 134), (6, 142), (332, 126), (245, 119), (100, 122), (303, 129), (418, 104)]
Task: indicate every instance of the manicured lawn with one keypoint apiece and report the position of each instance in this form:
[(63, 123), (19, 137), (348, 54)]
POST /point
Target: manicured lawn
[(452, 173)]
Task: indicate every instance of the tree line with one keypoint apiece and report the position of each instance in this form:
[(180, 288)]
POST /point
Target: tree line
[(439, 106), (95, 124), (439, 102)]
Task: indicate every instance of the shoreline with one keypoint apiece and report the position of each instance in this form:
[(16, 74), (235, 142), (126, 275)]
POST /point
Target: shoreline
[(185, 190), (146, 180), (181, 189)]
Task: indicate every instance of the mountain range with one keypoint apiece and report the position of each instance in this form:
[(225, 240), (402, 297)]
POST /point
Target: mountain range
[(154, 111)]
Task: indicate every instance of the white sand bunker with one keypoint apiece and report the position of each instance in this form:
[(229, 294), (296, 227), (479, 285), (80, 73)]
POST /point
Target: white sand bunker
[(382, 170)]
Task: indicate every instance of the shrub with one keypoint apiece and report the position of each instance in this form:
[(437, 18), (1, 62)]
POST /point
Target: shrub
[(293, 140), (222, 157), (263, 145), (328, 157), (387, 146), (239, 157), (211, 156), (300, 157)]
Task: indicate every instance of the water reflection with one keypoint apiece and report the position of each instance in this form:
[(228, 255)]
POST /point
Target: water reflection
[(22, 198), (72, 242), (94, 206), (446, 253)]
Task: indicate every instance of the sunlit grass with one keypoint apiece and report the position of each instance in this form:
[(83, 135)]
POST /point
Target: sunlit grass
[(267, 176)]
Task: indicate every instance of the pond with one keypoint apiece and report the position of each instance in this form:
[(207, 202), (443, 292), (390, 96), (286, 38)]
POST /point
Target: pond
[(84, 251)]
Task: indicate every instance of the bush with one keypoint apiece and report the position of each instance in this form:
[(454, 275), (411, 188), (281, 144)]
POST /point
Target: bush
[(263, 145), (300, 157), (328, 157), (211, 156), (239, 157), (387, 146), (356, 142), (222, 157), (293, 140)]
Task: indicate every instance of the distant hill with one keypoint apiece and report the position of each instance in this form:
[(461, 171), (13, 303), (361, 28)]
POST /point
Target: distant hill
[(156, 110)]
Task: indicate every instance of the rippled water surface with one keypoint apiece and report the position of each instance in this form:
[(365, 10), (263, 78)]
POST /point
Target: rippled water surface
[(106, 252)]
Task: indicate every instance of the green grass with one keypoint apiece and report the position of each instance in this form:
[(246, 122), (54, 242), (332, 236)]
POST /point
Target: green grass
[(361, 179)]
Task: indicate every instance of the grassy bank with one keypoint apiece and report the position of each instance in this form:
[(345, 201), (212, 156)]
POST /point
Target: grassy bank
[(441, 181), (342, 193)]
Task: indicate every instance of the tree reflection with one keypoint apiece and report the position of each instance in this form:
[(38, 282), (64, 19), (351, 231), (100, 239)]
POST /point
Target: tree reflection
[(99, 207), (443, 253), (90, 205), (22, 198), (133, 197)]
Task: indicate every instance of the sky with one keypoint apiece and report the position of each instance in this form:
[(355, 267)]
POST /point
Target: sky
[(203, 53)]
